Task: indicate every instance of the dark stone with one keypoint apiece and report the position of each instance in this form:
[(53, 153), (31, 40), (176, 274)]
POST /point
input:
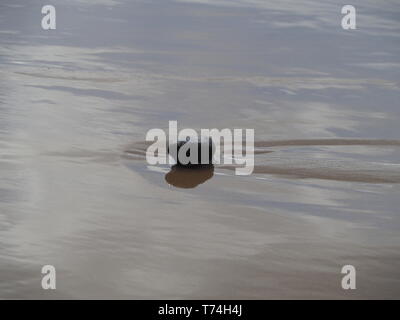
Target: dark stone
[(202, 144)]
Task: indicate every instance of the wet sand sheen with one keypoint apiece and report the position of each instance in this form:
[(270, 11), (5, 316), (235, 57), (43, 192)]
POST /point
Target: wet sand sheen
[(328, 142), (369, 176), (353, 172), (75, 192)]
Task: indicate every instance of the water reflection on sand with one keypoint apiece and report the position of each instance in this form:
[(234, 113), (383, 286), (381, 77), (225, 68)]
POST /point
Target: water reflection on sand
[(182, 177), (76, 191)]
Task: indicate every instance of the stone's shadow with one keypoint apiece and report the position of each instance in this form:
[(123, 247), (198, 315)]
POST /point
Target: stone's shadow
[(189, 176)]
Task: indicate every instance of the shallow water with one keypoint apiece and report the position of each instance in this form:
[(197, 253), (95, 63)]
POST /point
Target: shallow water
[(77, 193)]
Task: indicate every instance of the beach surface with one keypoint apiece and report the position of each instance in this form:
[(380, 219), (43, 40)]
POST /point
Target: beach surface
[(76, 191)]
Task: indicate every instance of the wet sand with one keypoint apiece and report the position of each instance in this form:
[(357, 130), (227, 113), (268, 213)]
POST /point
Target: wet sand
[(301, 166), (77, 193)]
